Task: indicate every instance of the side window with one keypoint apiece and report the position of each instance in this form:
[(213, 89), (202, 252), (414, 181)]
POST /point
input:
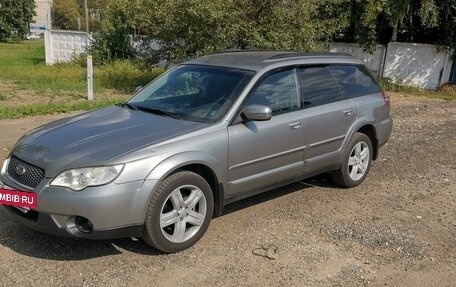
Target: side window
[(318, 86), (354, 81), (278, 91)]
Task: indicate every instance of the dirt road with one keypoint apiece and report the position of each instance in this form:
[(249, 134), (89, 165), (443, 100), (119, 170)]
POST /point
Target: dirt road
[(396, 229)]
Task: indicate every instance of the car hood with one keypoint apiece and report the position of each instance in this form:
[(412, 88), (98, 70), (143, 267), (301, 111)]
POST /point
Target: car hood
[(96, 137)]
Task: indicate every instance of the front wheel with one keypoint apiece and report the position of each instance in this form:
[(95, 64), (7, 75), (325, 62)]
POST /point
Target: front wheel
[(356, 162), (179, 212)]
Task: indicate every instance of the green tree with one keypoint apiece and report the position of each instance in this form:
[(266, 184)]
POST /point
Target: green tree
[(15, 15), (187, 28), (373, 21), (444, 33), (66, 16), (113, 40), (95, 8), (404, 12)]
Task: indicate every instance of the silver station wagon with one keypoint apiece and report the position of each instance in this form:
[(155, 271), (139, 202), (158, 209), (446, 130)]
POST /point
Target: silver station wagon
[(204, 134)]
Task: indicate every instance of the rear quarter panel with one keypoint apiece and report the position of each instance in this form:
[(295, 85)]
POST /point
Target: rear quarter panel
[(372, 110)]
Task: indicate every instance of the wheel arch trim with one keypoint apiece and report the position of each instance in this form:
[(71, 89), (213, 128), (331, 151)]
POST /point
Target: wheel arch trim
[(358, 126), (190, 161)]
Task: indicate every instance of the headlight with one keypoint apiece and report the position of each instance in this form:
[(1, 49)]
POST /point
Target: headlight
[(78, 179)]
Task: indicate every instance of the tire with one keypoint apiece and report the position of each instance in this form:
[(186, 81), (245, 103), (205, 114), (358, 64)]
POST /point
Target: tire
[(356, 162), (179, 212)]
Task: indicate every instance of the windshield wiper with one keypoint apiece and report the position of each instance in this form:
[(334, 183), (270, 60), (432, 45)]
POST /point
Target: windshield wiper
[(127, 105), (159, 112)]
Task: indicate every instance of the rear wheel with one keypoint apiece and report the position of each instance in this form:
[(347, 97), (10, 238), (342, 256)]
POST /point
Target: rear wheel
[(179, 212), (356, 162)]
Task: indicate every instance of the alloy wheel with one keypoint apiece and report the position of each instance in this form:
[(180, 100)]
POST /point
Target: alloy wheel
[(358, 162), (183, 213)]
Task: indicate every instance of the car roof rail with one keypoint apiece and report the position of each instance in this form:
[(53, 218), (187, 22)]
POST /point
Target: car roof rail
[(308, 54), (247, 51), (285, 54)]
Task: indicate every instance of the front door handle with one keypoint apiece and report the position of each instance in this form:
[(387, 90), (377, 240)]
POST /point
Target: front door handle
[(295, 126), (348, 112)]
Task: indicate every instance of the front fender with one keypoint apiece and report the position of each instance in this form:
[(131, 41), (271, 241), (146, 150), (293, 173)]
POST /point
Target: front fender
[(175, 162)]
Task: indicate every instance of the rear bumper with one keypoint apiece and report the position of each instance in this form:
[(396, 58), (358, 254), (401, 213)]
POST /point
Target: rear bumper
[(384, 129)]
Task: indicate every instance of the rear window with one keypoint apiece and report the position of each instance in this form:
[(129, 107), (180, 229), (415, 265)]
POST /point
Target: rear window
[(354, 81), (318, 86)]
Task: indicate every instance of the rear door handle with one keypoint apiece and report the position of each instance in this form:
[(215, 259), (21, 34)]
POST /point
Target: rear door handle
[(348, 112), (295, 126)]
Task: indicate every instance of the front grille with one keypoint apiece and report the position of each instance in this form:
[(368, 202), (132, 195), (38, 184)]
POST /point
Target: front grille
[(24, 172)]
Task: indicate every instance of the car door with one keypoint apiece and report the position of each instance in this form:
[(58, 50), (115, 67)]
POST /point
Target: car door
[(264, 152), (328, 117)]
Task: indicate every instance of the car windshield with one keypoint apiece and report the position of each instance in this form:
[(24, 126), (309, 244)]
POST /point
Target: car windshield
[(192, 92)]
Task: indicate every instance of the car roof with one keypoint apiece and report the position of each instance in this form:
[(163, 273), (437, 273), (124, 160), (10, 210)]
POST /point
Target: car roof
[(258, 60)]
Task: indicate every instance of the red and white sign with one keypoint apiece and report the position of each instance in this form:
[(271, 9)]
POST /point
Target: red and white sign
[(17, 198)]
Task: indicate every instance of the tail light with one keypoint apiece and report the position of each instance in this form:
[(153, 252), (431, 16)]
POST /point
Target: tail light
[(387, 99)]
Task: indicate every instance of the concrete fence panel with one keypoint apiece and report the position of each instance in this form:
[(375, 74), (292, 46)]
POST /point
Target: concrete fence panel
[(62, 46), (419, 65), (374, 62)]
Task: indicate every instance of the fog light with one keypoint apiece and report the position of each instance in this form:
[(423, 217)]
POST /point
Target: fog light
[(83, 224)]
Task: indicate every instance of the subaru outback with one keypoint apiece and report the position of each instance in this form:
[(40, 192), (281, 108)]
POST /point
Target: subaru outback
[(204, 134)]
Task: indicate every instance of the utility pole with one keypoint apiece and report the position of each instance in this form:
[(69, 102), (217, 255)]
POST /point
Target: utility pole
[(89, 58), (86, 16), (89, 78)]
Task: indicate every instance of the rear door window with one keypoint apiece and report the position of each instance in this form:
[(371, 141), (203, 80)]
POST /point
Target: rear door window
[(354, 81), (318, 86)]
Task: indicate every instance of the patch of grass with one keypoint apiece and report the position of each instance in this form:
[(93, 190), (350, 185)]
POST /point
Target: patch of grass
[(54, 108), (29, 87), (124, 76), (24, 65), (446, 94)]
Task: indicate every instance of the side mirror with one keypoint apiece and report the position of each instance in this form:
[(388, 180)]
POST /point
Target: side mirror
[(257, 113), (138, 89)]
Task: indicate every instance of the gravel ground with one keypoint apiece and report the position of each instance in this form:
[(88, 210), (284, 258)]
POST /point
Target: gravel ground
[(397, 229)]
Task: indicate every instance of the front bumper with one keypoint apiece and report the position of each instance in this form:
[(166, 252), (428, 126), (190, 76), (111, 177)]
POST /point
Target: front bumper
[(45, 223), (114, 210)]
